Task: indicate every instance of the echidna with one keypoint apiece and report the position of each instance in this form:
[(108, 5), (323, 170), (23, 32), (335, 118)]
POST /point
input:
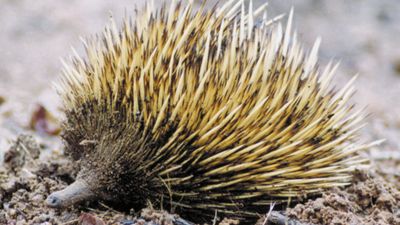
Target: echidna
[(204, 110)]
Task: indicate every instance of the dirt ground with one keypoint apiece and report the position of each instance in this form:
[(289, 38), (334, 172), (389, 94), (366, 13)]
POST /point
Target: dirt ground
[(363, 35)]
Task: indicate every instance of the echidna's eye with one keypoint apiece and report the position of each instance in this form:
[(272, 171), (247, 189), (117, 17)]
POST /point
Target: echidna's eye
[(53, 201)]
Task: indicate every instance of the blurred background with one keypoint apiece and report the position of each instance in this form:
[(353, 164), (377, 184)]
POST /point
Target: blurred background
[(362, 34)]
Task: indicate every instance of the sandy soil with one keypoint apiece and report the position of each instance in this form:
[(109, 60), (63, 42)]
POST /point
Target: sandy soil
[(363, 35)]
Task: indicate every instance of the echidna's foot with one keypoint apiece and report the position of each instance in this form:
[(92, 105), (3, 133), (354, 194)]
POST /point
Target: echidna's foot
[(76, 192)]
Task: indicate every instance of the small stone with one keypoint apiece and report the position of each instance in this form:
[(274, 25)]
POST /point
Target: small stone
[(127, 222), (12, 212), (21, 222), (140, 222), (26, 174), (90, 219), (9, 186), (385, 200), (38, 198), (46, 223), (44, 217), (36, 219), (3, 218)]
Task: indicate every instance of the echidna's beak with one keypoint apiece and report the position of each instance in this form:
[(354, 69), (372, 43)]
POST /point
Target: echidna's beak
[(76, 192)]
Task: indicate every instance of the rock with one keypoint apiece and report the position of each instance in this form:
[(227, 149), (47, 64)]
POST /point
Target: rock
[(23, 149), (10, 185), (3, 218), (90, 219), (38, 198)]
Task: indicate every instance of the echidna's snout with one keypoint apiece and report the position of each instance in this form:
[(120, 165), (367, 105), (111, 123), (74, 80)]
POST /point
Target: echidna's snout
[(76, 192)]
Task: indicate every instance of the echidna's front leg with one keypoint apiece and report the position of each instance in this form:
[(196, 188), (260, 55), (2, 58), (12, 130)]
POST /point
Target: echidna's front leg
[(76, 192)]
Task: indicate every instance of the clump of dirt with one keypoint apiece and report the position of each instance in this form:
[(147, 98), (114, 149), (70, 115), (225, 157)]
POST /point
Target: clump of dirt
[(24, 148), (368, 200)]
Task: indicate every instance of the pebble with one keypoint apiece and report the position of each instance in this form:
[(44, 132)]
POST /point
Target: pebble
[(3, 218), (46, 223), (21, 222), (38, 198), (9, 186), (127, 222), (44, 217), (36, 219), (26, 174), (12, 212)]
